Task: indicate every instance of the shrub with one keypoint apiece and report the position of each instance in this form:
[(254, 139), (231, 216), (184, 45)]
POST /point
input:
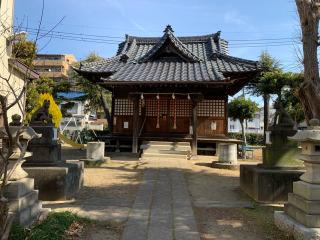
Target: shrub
[(54, 109), (252, 138)]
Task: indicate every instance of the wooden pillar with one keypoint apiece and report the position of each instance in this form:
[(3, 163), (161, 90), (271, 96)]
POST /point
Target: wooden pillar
[(194, 144), (111, 127), (135, 123)]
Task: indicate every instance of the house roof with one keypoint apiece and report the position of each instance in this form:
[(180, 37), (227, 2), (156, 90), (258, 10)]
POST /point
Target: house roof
[(71, 95), (23, 68), (170, 59)]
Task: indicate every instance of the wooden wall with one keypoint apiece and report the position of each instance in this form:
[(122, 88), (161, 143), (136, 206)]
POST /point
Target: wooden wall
[(212, 116)]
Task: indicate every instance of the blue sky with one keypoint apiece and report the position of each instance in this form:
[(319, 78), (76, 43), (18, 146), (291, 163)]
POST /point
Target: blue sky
[(266, 24)]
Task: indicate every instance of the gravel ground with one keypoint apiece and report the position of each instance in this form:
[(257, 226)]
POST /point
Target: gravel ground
[(222, 210), (107, 195)]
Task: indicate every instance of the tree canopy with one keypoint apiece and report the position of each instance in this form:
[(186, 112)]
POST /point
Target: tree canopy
[(25, 51), (98, 97), (242, 109)]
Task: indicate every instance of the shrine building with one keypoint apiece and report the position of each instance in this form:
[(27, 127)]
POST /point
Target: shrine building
[(170, 88)]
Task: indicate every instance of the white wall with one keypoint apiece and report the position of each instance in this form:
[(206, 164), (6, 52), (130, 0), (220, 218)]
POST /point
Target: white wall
[(256, 125), (15, 78)]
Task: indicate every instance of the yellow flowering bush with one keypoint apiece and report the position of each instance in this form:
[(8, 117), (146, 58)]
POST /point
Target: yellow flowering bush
[(54, 109)]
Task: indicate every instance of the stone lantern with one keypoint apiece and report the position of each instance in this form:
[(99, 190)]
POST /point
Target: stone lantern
[(23, 135), (22, 198), (271, 181), (302, 212)]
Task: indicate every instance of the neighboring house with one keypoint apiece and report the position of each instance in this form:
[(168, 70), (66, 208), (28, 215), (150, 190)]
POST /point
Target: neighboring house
[(55, 66), (13, 73), (256, 125), (169, 87), (78, 118)]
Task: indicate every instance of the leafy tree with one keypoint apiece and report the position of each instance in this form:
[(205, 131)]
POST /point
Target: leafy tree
[(273, 81), (96, 95), (44, 85), (259, 86), (242, 109), (35, 88), (25, 51)]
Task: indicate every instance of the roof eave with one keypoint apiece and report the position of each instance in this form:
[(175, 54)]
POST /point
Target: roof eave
[(23, 68)]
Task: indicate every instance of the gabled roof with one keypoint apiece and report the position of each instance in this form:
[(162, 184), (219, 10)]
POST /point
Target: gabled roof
[(175, 46), (170, 59)]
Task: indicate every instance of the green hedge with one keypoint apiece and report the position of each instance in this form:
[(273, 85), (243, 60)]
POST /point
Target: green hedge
[(252, 138)]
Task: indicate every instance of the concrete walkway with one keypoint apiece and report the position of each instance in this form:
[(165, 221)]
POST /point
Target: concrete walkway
[(162, 209)]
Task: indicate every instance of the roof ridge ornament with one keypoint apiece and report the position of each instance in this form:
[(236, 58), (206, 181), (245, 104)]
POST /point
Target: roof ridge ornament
[(217, 36), (168, 29)]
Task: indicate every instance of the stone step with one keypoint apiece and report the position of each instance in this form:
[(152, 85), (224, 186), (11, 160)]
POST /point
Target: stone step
[(307, 206), (30, 214), (19, 188), (162, 156), (17, 205), (165, 143), (306, 190), (308, 220), (165, 147), (160, 151)]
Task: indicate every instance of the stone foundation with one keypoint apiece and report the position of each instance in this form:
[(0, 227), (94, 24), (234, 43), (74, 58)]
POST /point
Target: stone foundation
[(268, 185), (294, 228), (60, 182)]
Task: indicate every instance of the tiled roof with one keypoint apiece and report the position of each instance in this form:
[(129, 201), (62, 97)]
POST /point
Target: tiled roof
[(170, 59)]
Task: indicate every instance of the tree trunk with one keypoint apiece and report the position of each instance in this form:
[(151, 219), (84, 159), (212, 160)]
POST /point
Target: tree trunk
[(244, 139), (309, 92), (266, 102), (106, 110)]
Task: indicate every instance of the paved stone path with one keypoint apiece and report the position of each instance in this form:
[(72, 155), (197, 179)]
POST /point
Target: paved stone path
[(162, 209)]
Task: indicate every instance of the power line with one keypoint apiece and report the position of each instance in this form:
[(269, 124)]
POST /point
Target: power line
[(95, 36), (27, 29), (107, 39)]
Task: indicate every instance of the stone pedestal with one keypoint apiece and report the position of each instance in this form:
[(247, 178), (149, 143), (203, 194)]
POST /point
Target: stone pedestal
[(303, 205), (95, 150), (227, 156), (61, 182), (46, 150), (267, 185), (23, 201), (271, 181), (54, 178), (95, 154)]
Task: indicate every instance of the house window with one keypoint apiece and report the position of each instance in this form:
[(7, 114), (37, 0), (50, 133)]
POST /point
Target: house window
[(211, 108), (123, 107), (152, 107), (183, 108)]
